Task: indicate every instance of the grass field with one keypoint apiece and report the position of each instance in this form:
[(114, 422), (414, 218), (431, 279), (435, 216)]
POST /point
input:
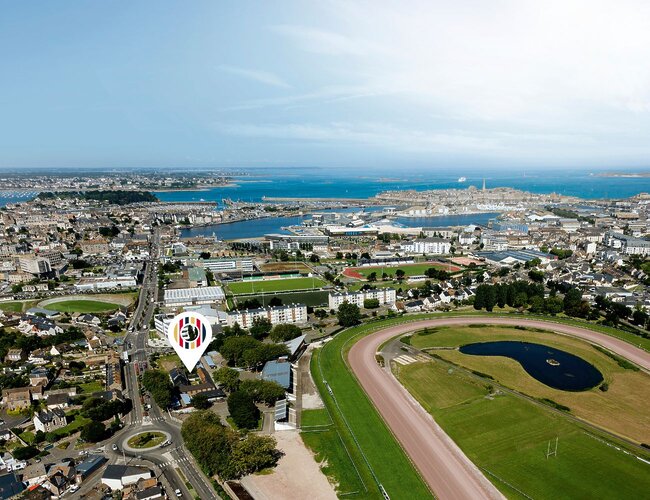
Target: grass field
[(409, 269), (90, 387), (375, 455), (320, 435), (507, 437), (279, 285), (82, 306), (622, 409), (146, 440), (309, 298), (17, 306)]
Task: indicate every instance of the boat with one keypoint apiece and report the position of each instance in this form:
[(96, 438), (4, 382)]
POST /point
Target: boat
[(462, 179), (553, 362)]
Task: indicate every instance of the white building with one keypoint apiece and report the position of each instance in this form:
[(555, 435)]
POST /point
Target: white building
[(193, 296), (628, 244), (383, 295), (117, 477), (294, 313), (427, 246)]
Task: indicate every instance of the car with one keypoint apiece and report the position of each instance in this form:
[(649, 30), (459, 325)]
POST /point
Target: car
[(178, 493), (74, 488), (114, 447)]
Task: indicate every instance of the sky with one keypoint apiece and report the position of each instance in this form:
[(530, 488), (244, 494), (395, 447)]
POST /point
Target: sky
[(346, 84)]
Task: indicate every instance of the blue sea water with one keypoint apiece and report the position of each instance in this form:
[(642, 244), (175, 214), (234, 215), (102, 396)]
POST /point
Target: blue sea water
[(321, 183), (259, 227)]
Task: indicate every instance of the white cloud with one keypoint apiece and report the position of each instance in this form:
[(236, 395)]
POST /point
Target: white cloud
[(264, 77)]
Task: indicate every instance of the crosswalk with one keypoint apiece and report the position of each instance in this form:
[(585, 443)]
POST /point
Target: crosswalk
[(406, 359), (148, 420), (175, 461)]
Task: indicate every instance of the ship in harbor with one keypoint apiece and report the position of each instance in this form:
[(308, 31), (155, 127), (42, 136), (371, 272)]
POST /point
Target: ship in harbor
[(462, 179)]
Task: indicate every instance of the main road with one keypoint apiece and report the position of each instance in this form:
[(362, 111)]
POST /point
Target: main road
[(175, 456), (442, 464)]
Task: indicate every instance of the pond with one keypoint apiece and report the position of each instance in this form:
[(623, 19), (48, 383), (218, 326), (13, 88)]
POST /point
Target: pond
[(553, 367)]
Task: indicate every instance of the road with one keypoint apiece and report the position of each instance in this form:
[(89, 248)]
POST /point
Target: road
[(175, 456), (442, 464)]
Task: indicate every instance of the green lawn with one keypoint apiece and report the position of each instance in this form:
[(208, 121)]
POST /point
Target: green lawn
[(315, 418), (146, 440), (28, 437), (82, 306), (309, 298), (78, 422), (507, 436), (279, 285), (17, 306), (90, 387), (409, 269)]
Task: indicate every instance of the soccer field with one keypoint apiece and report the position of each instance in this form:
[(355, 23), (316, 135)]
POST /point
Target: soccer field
[(82, 306), (409, 269), (278, 285), (508, 437)]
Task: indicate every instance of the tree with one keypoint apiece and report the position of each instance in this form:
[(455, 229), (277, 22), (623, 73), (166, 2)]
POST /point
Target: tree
[(553, 305), (348, 314), (205, 255), (233, 348), (320, 313), (399, 274), (259, 355), (261, 328), (93, 432), (25, 452), (571, 301), (160, 386), (371, 303), (200, 402), (284, 332), (262, 391), (372, 277), (639, 317), (537, 276), (253, 454), (242, 410), (490, 298), (227, 378)]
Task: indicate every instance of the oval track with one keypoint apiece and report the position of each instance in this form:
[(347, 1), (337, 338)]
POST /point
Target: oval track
[(442, 464)]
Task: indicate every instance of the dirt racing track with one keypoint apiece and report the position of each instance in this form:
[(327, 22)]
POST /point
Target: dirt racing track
[(442, 464)]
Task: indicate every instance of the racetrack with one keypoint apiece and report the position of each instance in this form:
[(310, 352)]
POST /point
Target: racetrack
[(442, 464)]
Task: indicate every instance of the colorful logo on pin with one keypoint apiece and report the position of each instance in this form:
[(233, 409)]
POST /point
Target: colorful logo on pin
[(190, 334)]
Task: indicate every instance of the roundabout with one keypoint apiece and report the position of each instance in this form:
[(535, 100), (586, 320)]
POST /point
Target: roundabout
[(145, 441)]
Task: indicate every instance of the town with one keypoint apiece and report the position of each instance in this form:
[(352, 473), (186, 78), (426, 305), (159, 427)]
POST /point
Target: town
[(95, 401)]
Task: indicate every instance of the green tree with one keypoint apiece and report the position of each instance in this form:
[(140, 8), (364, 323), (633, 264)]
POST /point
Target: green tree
[(372, 276), (253, 454), (260, 328), (399, 274), (371, 303), (242, 410), (233, 348), (157, 382), (227, 378), (284, 332), (93, 432), (200, 402), (262, 391), (348, 314)]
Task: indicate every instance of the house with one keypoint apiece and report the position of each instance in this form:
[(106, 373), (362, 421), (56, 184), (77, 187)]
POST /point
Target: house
[(116, 477), (14, 355), (50, 420), (39, 376), (60, 401), (414, 306), (149, 494), (89, 319), (17, 399), (178, 377), (90, 464), (34, 474), (60, 478), (10, 486)]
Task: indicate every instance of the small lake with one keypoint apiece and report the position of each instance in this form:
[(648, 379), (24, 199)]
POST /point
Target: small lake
[(553, 367)]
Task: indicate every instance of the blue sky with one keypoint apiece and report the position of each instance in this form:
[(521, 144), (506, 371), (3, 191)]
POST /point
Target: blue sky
[(355, 84)]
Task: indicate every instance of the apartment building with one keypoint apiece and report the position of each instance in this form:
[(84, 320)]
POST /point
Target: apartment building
[(383, 295), (293, 313)]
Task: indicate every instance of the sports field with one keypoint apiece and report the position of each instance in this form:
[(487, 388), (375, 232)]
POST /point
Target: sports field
[(507, 436), (409, 269), (279, 267), (82, 306), (621, 409), (278, 285), (308, 297), (17, 305)]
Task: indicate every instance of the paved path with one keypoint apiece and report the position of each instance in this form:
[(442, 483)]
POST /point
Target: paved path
[(442, 464)]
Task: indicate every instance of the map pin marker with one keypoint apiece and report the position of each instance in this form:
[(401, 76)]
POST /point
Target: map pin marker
[(190, 334)]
